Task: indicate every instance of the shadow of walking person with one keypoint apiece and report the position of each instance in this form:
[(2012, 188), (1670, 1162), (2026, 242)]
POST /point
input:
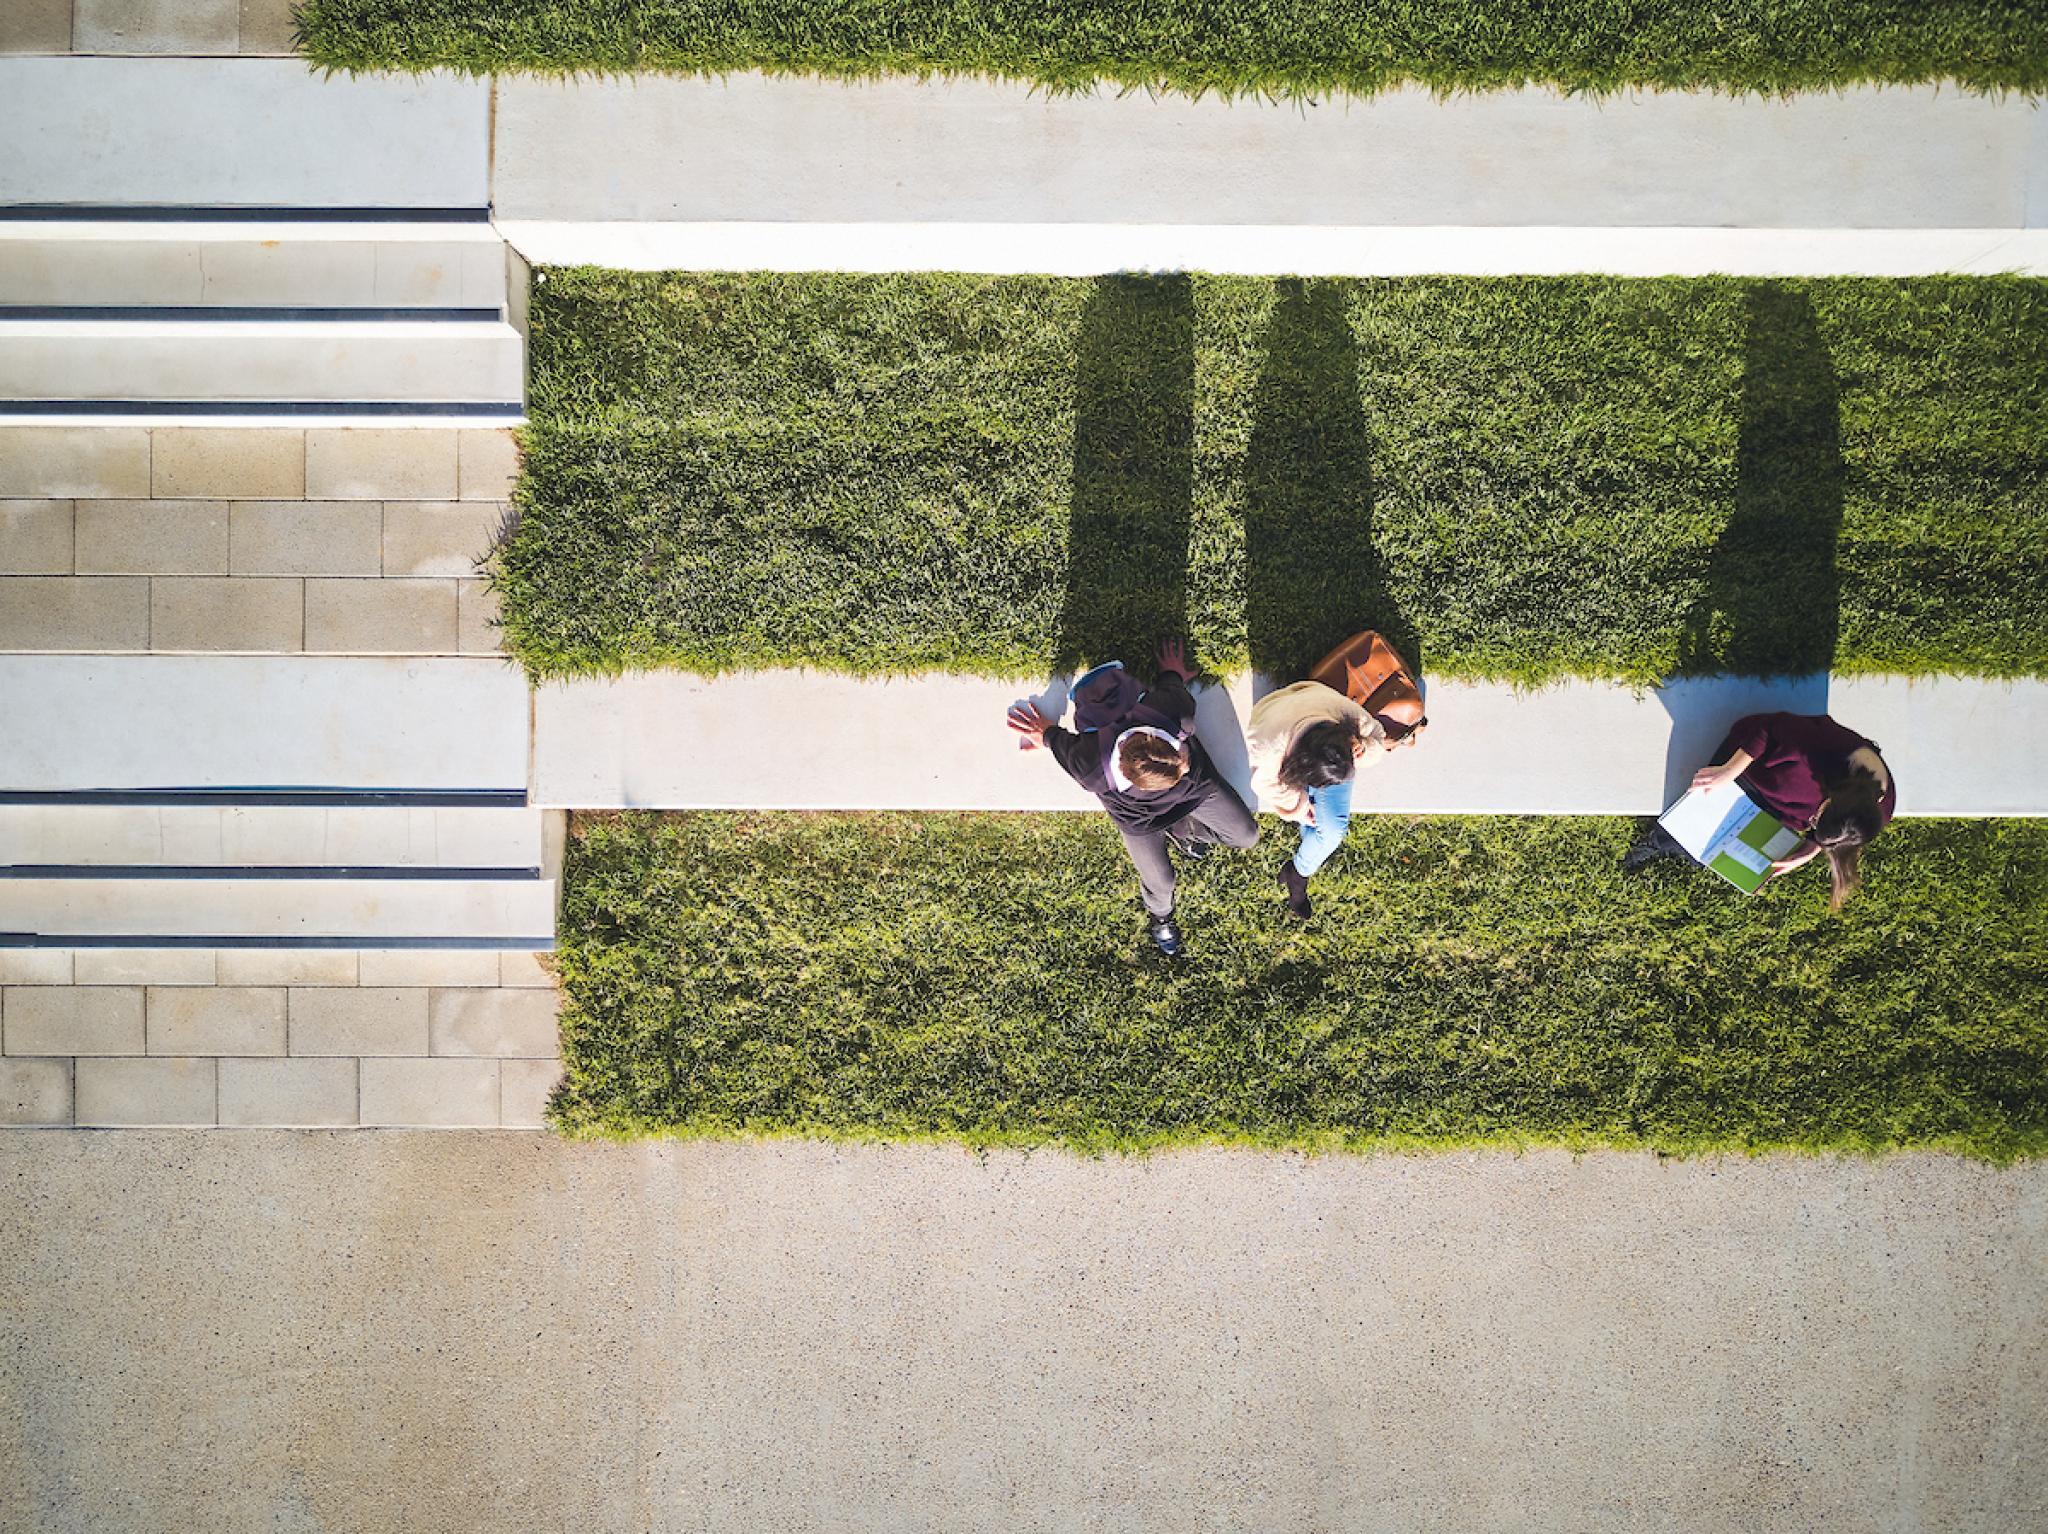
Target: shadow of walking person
[(1771, 608), (1133, 495), (1772, 603), (1312, 574)]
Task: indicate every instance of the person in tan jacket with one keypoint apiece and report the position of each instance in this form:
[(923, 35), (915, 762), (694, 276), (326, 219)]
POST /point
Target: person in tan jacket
[(1307, 743)]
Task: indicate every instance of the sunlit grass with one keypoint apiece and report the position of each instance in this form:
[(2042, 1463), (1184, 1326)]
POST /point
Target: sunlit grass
[(1465, 980), (1287, 48)]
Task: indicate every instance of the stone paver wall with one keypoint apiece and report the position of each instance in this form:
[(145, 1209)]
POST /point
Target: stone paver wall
[(195, 1038), (250, 539), (146, 26)]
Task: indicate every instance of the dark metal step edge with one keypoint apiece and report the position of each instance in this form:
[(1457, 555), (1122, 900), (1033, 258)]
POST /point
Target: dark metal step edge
[(187, 940), (225, 871), (218, 213), (416, 798), (506, 411), (240, 314)]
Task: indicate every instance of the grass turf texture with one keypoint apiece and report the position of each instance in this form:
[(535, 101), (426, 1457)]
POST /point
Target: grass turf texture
[(1518, 478), (985, 978), (1279, 47)]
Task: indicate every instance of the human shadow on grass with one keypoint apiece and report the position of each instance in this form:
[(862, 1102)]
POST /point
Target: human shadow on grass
[(1762, 636), (1313, 575), (1134, 469)]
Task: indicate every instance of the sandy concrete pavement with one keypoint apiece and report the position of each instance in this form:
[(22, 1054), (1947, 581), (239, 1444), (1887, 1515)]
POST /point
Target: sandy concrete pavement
[(423, 1332)]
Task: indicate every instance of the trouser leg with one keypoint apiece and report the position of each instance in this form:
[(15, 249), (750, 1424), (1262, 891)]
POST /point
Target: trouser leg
[(1221, 817), (1333, 818), (1155, 869)]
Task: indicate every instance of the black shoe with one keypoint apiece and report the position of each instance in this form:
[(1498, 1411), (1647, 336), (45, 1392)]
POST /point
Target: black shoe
[(1194, 852), (1296, 884), (1166, 936), (1651, 845)]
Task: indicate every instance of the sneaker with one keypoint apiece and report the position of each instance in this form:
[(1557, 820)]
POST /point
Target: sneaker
[(1166, 936), (1652, 843), (1194, 852), (1295, 883)]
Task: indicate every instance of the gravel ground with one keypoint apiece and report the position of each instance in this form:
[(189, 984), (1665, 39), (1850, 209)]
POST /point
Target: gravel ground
[(423, 1332)]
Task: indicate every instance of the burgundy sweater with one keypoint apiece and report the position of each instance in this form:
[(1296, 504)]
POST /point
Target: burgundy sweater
[(1796, 757)]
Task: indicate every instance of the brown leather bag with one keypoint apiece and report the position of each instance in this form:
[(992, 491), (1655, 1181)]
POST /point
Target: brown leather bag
[(1372, 674)]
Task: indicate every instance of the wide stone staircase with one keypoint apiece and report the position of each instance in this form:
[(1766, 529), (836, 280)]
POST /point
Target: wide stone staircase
[(267, 853)]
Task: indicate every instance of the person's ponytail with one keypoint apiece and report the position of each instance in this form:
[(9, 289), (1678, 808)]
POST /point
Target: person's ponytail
[(1844, 867), (1846, 824)]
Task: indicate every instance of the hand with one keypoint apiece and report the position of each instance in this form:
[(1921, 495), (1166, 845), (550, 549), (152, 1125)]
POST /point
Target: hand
[(1786, 865), (1173, 656), (1708, 779), (1030, 722)]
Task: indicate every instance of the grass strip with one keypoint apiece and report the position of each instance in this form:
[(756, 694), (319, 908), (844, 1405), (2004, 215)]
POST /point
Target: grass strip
[(1466, 980), (1521, 478), (1287, 48)]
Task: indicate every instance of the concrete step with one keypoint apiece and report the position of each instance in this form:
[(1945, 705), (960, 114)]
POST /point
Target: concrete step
[(217, 837), (516, 969), (247, 615), (1958, 745), (201, 536), (259, 362), (276, 263), (354, 913), (267, 461), (239, 729), (263, 133), (286, 1037)]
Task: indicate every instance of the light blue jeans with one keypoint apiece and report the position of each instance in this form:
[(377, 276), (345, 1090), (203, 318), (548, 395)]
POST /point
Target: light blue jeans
[(1333, 818)]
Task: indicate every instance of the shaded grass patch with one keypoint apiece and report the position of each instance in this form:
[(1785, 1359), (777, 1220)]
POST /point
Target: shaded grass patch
[(1466, 980)]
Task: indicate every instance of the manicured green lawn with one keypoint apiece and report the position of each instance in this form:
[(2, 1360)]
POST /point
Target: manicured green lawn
[(986, 978), (1521, 478), (1281, 47)]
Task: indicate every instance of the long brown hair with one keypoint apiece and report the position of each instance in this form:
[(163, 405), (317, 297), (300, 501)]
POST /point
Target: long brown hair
[(1324, 754), (1846, 823)]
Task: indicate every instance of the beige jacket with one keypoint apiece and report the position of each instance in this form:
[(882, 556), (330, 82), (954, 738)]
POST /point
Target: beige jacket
[(1277, 722)]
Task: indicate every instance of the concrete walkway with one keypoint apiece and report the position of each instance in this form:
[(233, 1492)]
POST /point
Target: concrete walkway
[(752, 171), (419, 1333), (755, 147), (1959, 745)]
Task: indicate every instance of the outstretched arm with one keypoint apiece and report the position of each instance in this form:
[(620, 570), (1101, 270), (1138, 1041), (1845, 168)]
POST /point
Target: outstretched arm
[(1030, 722), (1798, 857), (1169, 693), (1727, 772)]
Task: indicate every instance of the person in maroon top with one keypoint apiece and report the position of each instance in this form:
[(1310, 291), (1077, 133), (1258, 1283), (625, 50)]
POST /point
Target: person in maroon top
[(1816, 776)]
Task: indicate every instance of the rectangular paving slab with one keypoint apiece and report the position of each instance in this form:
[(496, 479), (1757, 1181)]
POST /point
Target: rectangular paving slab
[(198, 721)]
